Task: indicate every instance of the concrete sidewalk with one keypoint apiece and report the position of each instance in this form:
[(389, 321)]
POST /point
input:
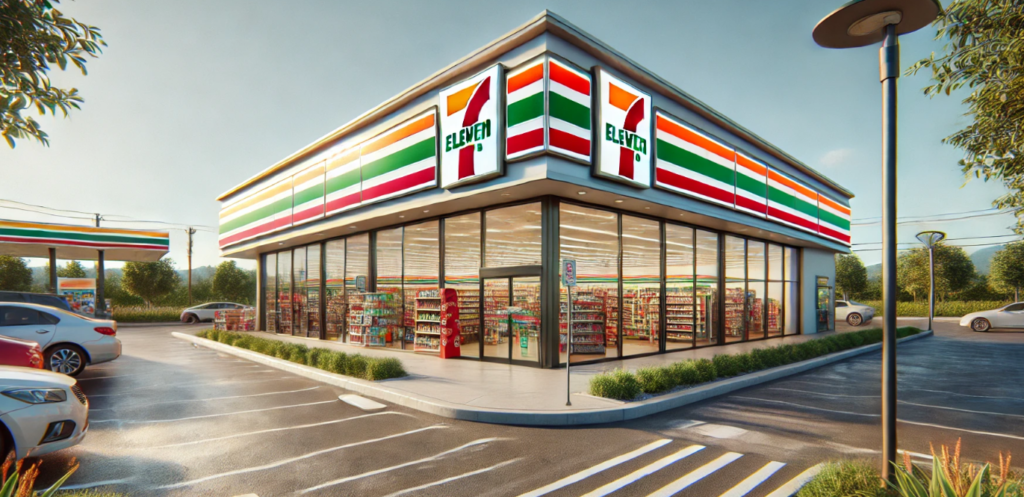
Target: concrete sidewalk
[(491, 392)]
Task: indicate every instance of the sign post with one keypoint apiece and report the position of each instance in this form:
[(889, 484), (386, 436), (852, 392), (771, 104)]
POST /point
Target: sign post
[(569, 281)]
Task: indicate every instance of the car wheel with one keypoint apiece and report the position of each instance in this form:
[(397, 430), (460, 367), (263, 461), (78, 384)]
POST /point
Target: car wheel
[(6, 443), (854, 319), (191, 319), (981, 324), (65, 358)]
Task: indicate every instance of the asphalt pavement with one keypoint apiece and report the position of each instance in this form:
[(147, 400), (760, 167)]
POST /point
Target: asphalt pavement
[(168, 418)]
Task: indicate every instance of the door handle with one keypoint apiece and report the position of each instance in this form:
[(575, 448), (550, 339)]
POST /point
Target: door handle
[(42, 331)]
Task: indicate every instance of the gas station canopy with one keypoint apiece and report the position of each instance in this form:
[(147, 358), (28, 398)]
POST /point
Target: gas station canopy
[(24, 239)]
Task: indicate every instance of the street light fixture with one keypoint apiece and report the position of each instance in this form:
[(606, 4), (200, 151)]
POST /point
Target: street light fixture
[(930, 239), (857, 24)]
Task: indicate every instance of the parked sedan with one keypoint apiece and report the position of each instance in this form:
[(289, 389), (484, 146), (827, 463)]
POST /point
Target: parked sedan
[(22, 353), (1007, 317), (854, 313), (69, 341), (40, 412), (205, 312)]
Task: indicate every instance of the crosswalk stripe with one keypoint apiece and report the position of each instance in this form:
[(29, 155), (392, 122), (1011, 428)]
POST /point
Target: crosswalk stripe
[(644, 471), (744, 487), (792, 486), (569, 480), (696, 475), (452, 478)]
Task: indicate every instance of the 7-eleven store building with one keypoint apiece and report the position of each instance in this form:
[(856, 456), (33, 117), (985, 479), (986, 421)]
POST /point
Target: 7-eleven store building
[(687, 229)]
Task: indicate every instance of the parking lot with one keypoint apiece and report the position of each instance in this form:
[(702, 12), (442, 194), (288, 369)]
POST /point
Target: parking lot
[(171, 419)]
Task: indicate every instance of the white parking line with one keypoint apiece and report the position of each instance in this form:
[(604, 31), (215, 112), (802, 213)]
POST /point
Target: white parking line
[(644, 471), (806, 407), (83, 486), (297, 458), (271, 430), (164, 373), (453, 478), (792, 486), (825, 394), (434, 457), (593, 470), (205, 416), (194, 384), (751, 482), (901, 402), (696, 475), (203, 399)]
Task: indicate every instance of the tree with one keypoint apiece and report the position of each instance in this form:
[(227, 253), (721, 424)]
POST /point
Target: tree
[(15, 274), (851, 275), (34, 35), (149, 280), (954, 271), (985, 54), (1007, 269), (71, 269), (233, 283)]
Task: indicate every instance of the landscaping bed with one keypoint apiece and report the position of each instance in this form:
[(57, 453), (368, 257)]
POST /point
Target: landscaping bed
[(146, 314), (949, 309), (626, 385), (354, 365)]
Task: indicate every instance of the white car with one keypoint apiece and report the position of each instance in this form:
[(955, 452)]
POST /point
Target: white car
[(40, 412), (205, 312), (69, 341), (854, 313), (1006, 317)]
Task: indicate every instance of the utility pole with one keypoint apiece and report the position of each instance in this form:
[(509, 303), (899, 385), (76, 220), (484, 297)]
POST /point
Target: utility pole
[(101, 304), (191, 231)]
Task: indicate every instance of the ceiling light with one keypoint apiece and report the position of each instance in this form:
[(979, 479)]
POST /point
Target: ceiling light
[(619, 201), (647, 208), (353, 226), (582, 193), (280, 243), (506, 194)]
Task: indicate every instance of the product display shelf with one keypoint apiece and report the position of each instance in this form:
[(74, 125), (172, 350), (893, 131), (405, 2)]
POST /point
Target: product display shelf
[(774, 325), (704, 315), (373, 318), (755, 310), (679, 315), (734, 304), (588, 323), (335, 316), (469, 315), (640, 314), (428, 321), (495, 316)]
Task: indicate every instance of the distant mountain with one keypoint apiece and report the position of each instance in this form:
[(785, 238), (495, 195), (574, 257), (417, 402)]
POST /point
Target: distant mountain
[(982, 258), (874, 271), (198, 273)]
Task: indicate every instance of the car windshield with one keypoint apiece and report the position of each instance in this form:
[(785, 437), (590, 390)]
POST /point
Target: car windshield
[(855, 303)]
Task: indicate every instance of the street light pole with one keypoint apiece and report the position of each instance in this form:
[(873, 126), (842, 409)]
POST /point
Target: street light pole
[(930, 239)]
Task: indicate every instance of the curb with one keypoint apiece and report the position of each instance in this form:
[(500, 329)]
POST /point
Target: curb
[(625, 412)]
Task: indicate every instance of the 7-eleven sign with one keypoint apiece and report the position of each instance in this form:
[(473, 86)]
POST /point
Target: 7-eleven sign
[(623, 132), (471, 126)]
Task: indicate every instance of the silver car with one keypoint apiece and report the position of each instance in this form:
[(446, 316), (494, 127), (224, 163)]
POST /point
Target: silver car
[(205, 312), (69, 341), (854, 313), (1007, 317)]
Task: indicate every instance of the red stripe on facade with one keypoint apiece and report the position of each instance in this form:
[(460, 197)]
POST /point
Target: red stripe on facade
[(753, 205), (829, 232), (525, 141), (789, 218), (569, 79), (569, 141), (683, 183), (342, 202), (76, 243), (399, 184), (259, 230), (308, 213)]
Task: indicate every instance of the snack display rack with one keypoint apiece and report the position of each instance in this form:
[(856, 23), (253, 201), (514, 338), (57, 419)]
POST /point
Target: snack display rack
[(428, 321), (469, 314), (335, 311), (495, 316), (734, 303), (235, 320), (588, 323), (774, 324), (755, 311), (373, 318), (640, 314), (679, 314)]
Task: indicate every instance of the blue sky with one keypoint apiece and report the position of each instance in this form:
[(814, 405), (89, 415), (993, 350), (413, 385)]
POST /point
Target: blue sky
[(192, 97)]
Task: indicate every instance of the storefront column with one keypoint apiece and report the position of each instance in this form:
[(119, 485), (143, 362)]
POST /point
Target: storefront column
[(53, 270), (663, 293), (101, 305), (261, 306), (549, 283)]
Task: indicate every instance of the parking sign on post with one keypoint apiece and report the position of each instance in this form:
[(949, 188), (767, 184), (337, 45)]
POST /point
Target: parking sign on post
[(569, 281)]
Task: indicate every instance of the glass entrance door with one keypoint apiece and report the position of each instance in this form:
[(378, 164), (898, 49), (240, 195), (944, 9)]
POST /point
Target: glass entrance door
[(512, 318), (824, 305)]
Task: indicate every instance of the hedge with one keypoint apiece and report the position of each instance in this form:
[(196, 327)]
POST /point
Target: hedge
[(624, 385), (147, 314), (354, 365), (954, 308)]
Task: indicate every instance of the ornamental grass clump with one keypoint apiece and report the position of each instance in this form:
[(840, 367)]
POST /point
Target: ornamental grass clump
[(618, 384), (655, 379), (854, 478), (383, 368)]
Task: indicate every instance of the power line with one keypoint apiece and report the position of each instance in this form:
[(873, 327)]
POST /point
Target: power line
[(91, 216), (983, 211), (925, 220), (951, 239), (904, 249)]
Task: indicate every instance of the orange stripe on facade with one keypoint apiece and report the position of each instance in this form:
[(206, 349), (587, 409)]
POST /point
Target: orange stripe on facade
[(309, 174), (751, 164), (827, 201), (525, 78), (778, 178), (458, 100), (85, 229), (695, 138), (620, 98), (281, 187), (399, 134), (342, 158)]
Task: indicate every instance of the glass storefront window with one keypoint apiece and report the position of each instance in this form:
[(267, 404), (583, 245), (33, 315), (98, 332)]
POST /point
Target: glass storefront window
[(334, 274), (774, 263), (422, 258), (775, 308), (270, 292), (790, 320), (462, 272), (357, 263), (284, 292), (706, 311), (591, 237), (756, 271), (641, 286), (389, 277), (300, 322), (513, 236), (792, 264), (735, 289), (679, 284), (313, 291)]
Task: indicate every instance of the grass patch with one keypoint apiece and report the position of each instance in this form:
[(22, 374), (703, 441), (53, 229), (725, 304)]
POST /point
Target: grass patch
[(146, 314), (625, 385), (954, 308), (354, 365), (840, 478)]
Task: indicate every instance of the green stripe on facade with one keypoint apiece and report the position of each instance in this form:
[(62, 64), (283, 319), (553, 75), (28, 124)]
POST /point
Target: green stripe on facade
[(528, 108), (783, 198), (568, 110), (689, 160), (309, 194), (343, 181), (85, 237), (409, 155), (256, 215), (833, 219), (751, 185)]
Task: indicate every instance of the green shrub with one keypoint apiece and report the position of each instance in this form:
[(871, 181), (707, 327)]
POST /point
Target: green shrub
[(384, 368), (356, 366), (749, 362), (952, 308), (142, 314), (727, 365), (766, 358), (339, 363), (858, 478), (655, 379), (856, 339), (297, 353), (313, 356), (705, 370), (685, 373), (618, 384)]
